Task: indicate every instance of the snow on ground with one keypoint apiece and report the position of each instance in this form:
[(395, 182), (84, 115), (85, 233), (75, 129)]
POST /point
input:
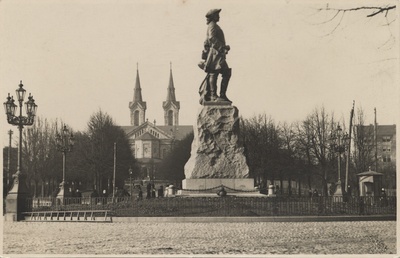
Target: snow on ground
[(363, 237)]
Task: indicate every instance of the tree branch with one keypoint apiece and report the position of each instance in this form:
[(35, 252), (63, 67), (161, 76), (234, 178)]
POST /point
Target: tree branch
[(376, 9), (382, 9)]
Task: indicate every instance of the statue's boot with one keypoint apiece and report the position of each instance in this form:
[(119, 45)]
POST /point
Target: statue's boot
[(213, 86), (224, 84)]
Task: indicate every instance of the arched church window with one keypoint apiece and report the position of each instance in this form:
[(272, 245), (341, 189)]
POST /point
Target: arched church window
[(136, 117), (170, 117)]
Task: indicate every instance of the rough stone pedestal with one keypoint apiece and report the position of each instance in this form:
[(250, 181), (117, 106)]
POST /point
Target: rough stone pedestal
[(217, 158)]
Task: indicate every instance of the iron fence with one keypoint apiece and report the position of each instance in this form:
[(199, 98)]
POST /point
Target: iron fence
[(221, 206)]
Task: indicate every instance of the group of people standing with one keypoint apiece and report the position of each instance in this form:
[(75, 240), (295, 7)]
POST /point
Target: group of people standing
[(151, 191)]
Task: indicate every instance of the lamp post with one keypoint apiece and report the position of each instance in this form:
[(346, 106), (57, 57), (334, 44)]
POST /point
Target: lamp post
[(16, 201), (115, 168), (64, 143), (339, 143), (130, 181), (10, 132)]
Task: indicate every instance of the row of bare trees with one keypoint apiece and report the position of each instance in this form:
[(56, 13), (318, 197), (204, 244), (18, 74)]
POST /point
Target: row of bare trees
[(302, 151), (40, 156), (90, 164)]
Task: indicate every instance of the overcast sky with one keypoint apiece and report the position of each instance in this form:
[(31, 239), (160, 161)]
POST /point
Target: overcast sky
[(77, 57)]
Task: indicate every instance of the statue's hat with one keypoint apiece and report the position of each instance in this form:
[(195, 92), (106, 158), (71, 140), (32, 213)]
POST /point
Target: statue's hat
[(212, 12)]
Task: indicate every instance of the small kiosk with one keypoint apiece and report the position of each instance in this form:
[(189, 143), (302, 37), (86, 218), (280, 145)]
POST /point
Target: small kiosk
[(370, 183)]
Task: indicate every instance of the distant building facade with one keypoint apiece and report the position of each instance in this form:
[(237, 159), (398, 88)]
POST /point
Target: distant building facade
[(385, 143), (150, 142), (386, 139), (382, 142)]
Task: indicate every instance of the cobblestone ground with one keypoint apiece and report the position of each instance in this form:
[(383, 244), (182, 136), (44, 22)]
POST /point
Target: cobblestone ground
[(376, 237)]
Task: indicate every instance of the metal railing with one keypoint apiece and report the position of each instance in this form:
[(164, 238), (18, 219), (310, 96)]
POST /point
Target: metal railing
[(226, 206), (77, 216), (391, 192)]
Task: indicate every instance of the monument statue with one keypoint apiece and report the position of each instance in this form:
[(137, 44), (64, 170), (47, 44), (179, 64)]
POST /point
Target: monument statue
[(217, 156), (214, 61)]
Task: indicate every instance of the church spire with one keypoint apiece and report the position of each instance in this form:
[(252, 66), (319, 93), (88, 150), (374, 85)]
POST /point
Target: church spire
[(137, 106), (137, 92), (170, 105), (171, 89)]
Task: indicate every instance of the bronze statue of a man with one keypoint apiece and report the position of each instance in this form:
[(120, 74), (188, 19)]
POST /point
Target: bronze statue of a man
[(214, 55)]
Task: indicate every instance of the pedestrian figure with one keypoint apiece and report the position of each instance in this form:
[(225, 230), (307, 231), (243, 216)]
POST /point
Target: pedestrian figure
[(383, 193), (383, 198), (71, 193), (140, 195), (315, 193), (148, 188), (78, 196), (349, 190), (153, 192), (276, 189), (104, 196), (161, 191), (166, 191), (78, 193)]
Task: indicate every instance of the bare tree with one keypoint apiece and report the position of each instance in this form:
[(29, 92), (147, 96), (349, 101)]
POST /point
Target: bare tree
[(260, 136), (291, 162), (314, 137), (40, 155), (103, 133)]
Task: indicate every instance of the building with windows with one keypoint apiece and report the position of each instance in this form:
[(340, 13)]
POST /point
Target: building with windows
[(381, 141), (150, 142), (386, 145), (386, 154)]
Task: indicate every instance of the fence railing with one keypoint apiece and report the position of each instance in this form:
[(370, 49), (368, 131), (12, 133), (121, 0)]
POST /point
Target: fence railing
[(226, 206), (391, 192)]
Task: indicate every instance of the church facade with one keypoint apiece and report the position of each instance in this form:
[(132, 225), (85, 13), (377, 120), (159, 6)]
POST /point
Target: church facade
[(151, 143)]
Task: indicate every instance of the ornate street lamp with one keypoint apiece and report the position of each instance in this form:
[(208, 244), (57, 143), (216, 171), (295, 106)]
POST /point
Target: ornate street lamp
[(16, 201), (339, 143), (64, 143)]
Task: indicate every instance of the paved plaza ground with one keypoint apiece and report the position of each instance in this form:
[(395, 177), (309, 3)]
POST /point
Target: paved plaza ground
[(188, 238)]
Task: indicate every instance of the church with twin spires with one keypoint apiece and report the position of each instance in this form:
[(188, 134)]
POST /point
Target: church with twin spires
[(151, 143)]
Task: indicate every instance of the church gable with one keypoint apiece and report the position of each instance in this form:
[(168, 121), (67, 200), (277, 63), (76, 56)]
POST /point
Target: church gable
[(147, 136), (148, 129)]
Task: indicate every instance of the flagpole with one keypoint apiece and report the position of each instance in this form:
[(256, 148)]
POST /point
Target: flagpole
[(348, 150)]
